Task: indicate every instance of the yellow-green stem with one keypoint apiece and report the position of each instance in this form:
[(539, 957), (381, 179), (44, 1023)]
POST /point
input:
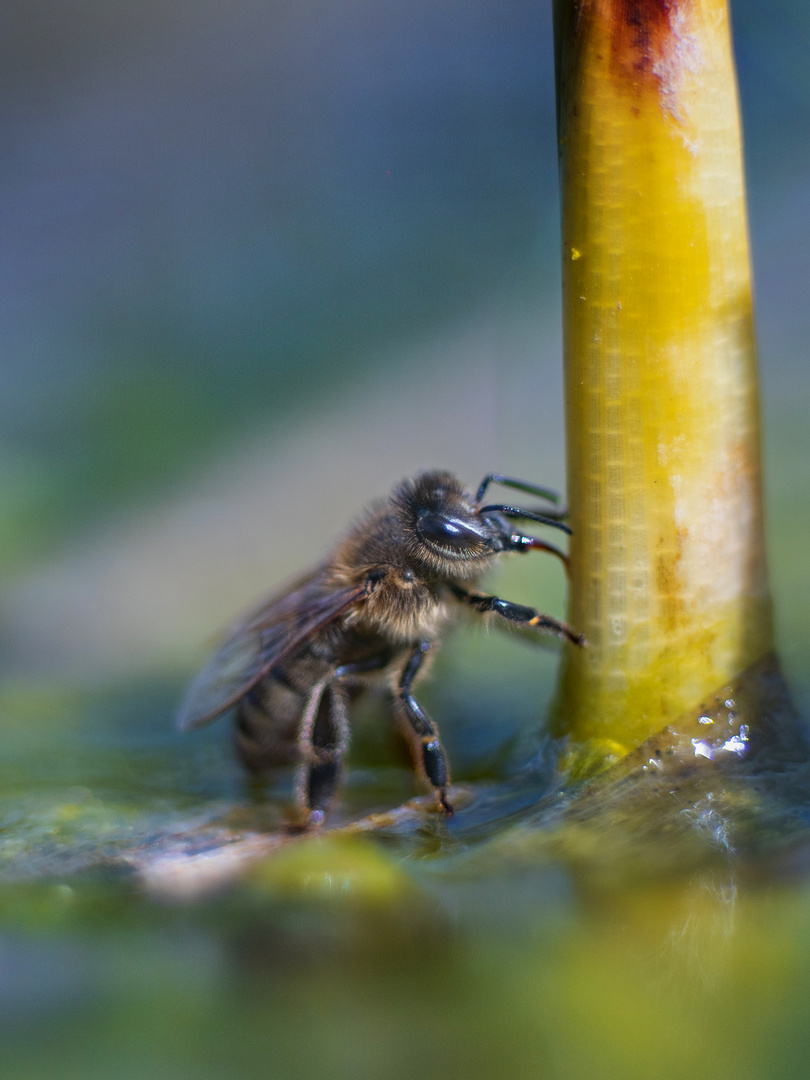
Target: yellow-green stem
[(668, 576)]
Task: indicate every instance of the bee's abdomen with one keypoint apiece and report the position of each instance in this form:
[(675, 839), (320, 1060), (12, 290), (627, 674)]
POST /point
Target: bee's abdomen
[(268, 717)]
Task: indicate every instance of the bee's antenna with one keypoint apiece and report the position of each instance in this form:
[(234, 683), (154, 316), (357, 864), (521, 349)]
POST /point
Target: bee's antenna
[(516, 512), (518, 485)]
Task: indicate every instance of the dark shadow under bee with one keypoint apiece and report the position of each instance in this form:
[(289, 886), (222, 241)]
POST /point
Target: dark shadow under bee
[(373, 609)]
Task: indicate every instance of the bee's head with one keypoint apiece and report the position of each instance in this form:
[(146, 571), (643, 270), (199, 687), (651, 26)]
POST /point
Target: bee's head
[(444, 528), (450, 533)]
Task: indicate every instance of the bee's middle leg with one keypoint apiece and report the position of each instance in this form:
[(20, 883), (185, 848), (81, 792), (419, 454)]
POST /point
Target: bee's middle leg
[(518, 614), (323, 739), (434, 759)]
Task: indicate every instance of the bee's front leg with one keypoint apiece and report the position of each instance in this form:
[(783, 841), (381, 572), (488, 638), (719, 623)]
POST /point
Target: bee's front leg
[(434, 759), (323, 738)]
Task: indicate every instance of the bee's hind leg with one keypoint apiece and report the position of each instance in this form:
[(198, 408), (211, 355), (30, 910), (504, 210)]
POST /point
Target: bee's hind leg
[(434, 759), (323, 738)]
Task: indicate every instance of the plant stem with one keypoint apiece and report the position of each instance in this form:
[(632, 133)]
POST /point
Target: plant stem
[(668, 575)]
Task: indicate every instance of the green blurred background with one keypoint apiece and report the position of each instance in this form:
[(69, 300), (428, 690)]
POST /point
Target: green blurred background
[(259, 262)]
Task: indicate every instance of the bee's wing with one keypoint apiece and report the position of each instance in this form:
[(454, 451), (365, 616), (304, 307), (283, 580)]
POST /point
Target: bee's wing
[(254, 647)]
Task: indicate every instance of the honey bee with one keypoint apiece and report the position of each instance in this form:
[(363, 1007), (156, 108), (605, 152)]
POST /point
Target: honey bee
[(375, 607)]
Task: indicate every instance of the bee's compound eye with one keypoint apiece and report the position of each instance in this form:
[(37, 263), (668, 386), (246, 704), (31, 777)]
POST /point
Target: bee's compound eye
[(446, 531)]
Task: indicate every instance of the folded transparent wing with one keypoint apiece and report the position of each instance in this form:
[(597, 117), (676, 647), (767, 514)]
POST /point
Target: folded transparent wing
[(260, 642)]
